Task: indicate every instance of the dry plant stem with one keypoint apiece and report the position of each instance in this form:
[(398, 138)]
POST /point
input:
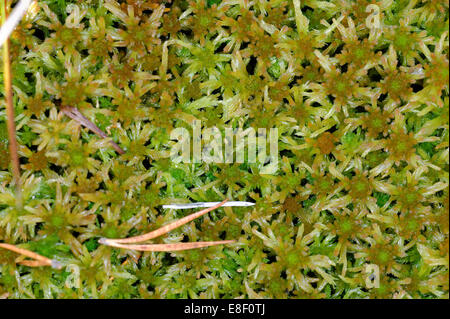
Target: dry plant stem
[(32, 263), (129, 243), (163, 230), (39, 260), (14, 19), (169, 247), (76, 115), (4, 296), (10, 112)]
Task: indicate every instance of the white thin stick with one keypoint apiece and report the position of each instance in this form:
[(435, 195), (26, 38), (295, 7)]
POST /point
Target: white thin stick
[(207, 204), (13, 20)]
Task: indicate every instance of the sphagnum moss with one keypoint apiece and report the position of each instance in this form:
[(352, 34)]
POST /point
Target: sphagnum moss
[(362, 116)]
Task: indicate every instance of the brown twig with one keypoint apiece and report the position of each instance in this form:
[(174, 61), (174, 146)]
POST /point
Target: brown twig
[(4, 296), (169, 247), (38, 259), (7, 80), (167, 228), (76, 115), (130, 243)]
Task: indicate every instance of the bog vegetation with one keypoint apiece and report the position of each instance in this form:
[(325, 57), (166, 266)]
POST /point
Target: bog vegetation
[(362, 118)]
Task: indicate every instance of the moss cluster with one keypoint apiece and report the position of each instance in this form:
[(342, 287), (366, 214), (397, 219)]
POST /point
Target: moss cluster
[(362, 118)]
